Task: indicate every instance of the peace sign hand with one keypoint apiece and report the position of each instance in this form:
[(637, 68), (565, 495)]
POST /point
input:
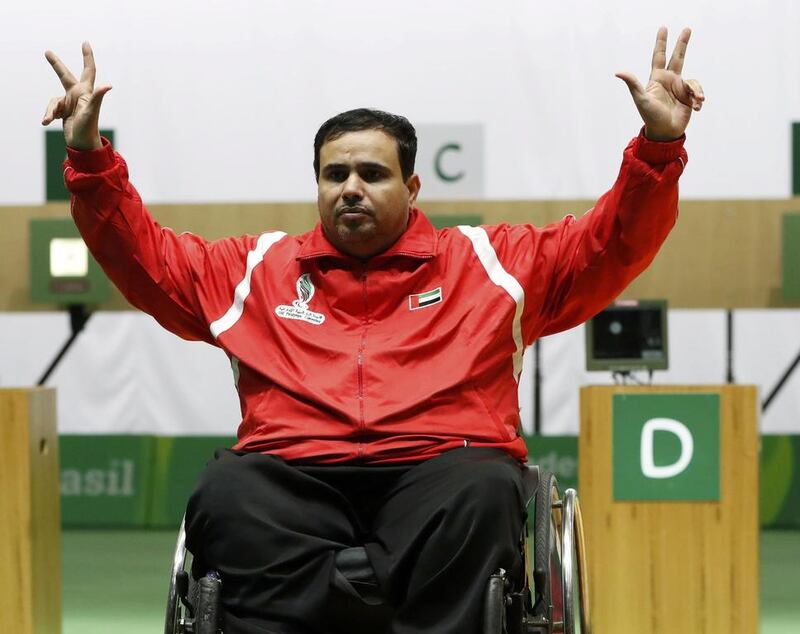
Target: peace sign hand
[(667, 102), (80, 106)]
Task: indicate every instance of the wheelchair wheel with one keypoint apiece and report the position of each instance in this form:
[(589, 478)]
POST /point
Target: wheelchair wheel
[(575, 585), (177, 576), (561, 593), (547, 564), (193, 606)]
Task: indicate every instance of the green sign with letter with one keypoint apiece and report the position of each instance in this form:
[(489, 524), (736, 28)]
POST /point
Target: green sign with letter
[(55, 155), (666, 446)]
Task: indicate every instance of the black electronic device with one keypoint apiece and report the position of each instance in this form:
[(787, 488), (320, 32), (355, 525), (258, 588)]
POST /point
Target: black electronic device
[(629, 335)]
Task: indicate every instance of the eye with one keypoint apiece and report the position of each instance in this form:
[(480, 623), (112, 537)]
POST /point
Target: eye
[(336, 174), (372, 175)]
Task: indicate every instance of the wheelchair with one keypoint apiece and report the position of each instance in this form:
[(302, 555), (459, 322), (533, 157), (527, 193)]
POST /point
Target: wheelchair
[(553, 599)]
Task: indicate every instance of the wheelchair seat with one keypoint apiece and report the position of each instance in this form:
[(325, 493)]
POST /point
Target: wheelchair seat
[(554, 587)]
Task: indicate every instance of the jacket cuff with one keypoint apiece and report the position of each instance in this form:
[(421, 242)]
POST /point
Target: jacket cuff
[(656, 152), (92, 161)]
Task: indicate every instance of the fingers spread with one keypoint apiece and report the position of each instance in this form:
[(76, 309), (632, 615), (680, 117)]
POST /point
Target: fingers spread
[(89, 69), (67, 78), (637, 90), (676, 61), (97, 96), (660, 50)]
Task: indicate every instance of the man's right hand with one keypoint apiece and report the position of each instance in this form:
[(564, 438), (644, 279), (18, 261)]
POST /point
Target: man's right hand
[(80, 106)]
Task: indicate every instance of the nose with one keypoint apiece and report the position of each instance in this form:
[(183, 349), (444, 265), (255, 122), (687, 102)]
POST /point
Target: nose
[(353, 188)]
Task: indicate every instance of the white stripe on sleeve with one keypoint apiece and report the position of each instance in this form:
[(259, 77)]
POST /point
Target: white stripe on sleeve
[(254, 258), (502, 278)]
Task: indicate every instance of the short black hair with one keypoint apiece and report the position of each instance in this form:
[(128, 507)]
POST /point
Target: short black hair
[(368, 119)]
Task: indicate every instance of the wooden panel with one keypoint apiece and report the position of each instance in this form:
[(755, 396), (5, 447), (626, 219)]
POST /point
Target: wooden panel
[(30, 526), (721, 254), (665, 567)]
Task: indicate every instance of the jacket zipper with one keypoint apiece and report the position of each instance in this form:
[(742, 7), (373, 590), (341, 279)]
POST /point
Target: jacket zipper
[(360, 361)]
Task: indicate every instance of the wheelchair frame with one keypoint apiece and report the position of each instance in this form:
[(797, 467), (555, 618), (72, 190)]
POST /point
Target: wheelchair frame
[(554, 589)]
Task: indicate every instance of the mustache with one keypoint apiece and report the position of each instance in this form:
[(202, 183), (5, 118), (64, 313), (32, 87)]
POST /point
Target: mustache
[(350, 209)]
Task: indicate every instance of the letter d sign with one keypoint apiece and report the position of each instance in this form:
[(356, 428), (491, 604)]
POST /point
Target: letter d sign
[(647, 459), (666, 446)]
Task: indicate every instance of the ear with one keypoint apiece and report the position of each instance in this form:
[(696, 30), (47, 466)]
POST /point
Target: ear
[(413, 184)]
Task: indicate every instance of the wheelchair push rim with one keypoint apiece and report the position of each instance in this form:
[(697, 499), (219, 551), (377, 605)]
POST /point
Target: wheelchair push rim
[(574, 566), (178, 563)]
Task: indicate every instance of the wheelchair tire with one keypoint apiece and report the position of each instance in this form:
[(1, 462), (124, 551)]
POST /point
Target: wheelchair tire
[(494, 606), (547, 603)]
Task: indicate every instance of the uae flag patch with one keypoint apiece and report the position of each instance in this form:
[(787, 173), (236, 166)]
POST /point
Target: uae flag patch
[(423, 300)]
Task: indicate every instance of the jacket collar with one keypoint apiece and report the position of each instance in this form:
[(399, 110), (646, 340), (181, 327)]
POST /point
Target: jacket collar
[(418, 241)]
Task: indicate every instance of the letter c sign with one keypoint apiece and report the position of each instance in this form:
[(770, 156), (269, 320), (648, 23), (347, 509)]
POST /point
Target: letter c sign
[(437, 163), (647, 459)]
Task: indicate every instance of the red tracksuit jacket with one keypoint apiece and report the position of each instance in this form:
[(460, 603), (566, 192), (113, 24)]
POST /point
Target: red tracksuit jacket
[(400, 358)]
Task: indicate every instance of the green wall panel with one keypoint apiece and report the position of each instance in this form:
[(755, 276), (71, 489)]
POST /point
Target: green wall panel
[(780, 481), (790, 256), (440, 222), (796, 158), (177, 463)]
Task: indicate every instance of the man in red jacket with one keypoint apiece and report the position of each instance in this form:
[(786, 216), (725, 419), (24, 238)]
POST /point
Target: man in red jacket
[(376, 358)]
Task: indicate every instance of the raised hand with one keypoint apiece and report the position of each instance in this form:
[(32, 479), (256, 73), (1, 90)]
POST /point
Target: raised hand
[(666, 103), (80, 106)]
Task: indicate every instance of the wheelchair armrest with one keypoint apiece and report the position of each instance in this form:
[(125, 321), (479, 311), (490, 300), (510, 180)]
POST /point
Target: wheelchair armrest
[(530, 482)]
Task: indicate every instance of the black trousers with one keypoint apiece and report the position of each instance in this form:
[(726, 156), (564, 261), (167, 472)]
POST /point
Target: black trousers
[(433, 531)]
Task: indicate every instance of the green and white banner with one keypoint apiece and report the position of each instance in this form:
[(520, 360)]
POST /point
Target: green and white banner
[(145, 481), (105, 480), (556, 454), (142, 481)]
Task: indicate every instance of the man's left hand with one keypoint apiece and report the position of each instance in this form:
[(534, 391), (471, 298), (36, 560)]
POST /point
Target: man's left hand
[(666, 103)]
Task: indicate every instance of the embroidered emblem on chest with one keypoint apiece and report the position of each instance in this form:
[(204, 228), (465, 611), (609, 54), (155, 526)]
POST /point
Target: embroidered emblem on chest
[(423, 300), (299, 308)]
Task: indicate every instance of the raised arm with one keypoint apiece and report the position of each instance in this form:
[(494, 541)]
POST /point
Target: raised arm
[(601, 253), (572, 269), (183, 281)]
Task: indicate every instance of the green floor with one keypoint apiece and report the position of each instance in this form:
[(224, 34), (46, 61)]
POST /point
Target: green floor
[(116, 581)]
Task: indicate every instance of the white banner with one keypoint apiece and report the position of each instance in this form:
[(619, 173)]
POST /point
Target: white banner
[(219, 101), (125, 374)]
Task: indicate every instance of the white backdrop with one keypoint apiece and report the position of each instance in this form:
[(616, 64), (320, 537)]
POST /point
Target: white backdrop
[(125, 374), (219, 101)]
